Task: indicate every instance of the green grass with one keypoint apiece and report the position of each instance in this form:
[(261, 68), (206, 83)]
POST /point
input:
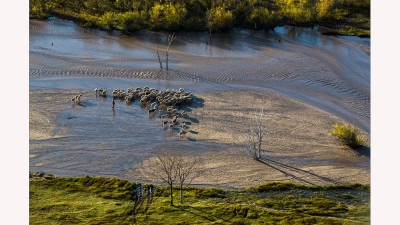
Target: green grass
[(96, 200)]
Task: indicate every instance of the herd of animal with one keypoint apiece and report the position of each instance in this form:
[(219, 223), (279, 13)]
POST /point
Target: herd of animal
[(76, 99), (165, 103)]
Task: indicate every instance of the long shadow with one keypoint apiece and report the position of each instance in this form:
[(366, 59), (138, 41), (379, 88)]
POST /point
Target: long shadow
[(196, 103), (286, 173), (192, 119), (364, 151), (205, 217), (268, 162), (208, 215), (191, 139)]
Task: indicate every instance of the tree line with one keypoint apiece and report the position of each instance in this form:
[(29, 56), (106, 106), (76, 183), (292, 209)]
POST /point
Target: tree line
[(198, 15)]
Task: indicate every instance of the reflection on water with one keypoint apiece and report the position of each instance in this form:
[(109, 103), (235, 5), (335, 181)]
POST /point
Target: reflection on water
[(105, 141), (319, 70), (70, 39)]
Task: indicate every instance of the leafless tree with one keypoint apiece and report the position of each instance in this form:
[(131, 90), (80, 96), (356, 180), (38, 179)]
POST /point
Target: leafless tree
[(164, 168), (159, 59), (254, 133), (188, 169), (210, 21), (143, 195), (171, 38)]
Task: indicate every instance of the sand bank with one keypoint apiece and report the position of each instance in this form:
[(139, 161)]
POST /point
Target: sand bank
[(297, 147)]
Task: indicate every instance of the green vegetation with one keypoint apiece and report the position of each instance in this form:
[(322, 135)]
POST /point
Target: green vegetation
[(347, 135), (97, 200), (345, 17)]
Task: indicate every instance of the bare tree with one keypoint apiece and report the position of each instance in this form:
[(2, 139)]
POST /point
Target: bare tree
[(254, 133), (164, 168), (210, 21), (159, 59), (188, 169), (143, 195), (171, 38)]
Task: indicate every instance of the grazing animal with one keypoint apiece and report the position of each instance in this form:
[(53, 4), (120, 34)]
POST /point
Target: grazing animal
[(183, 113), (164, 122), (181, 133), (152, 110)]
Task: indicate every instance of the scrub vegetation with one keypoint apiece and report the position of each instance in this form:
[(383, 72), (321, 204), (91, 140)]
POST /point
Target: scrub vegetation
[(348, 135), (344, 17), (98, 200)]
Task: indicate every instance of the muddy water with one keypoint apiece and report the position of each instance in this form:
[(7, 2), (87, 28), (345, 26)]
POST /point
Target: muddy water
[(327, 72), (102, 141)]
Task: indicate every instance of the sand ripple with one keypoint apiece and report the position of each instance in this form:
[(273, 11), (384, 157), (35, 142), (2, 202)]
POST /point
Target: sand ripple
[(330, 73)]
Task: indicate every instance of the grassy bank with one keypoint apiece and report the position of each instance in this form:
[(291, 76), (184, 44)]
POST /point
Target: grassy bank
[(98, 200), (344, 17)]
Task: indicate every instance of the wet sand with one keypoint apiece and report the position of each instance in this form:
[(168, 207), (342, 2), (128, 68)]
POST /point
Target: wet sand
[(297, 146), (329, 73), (308, 81), (99, 142)]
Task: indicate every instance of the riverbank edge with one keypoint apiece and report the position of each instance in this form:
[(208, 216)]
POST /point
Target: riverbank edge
[(325, 29), (110, 200)]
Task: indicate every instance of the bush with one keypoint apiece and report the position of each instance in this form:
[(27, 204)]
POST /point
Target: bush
[(347, 135), (277, 186), (107, 21), (168, 16), (219, 19), (209, 192), (131, 21)]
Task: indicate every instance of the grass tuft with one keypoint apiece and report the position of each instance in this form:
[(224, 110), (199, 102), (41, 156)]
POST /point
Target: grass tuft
[(348, 135)]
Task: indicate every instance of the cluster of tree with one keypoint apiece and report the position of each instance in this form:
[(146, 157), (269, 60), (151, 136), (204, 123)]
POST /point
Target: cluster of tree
[(215, 15), (175, 169)]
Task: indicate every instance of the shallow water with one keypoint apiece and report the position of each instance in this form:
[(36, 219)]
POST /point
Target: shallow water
[(297, 62), (300, 63), (108, 142)]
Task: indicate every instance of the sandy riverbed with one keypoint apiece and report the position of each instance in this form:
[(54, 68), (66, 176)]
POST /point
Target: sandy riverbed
[(297, 147), (329, 73), (308, 82)]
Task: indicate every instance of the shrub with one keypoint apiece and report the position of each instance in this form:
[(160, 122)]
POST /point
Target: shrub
[(48, 176), (277, 186), (219, 19), (107, 21), (168, 16), (347, 135), (209, 192), (131, 21)]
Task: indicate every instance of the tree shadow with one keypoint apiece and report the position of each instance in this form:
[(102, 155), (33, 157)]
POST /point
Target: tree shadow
[(290, 170), (198, 212)]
